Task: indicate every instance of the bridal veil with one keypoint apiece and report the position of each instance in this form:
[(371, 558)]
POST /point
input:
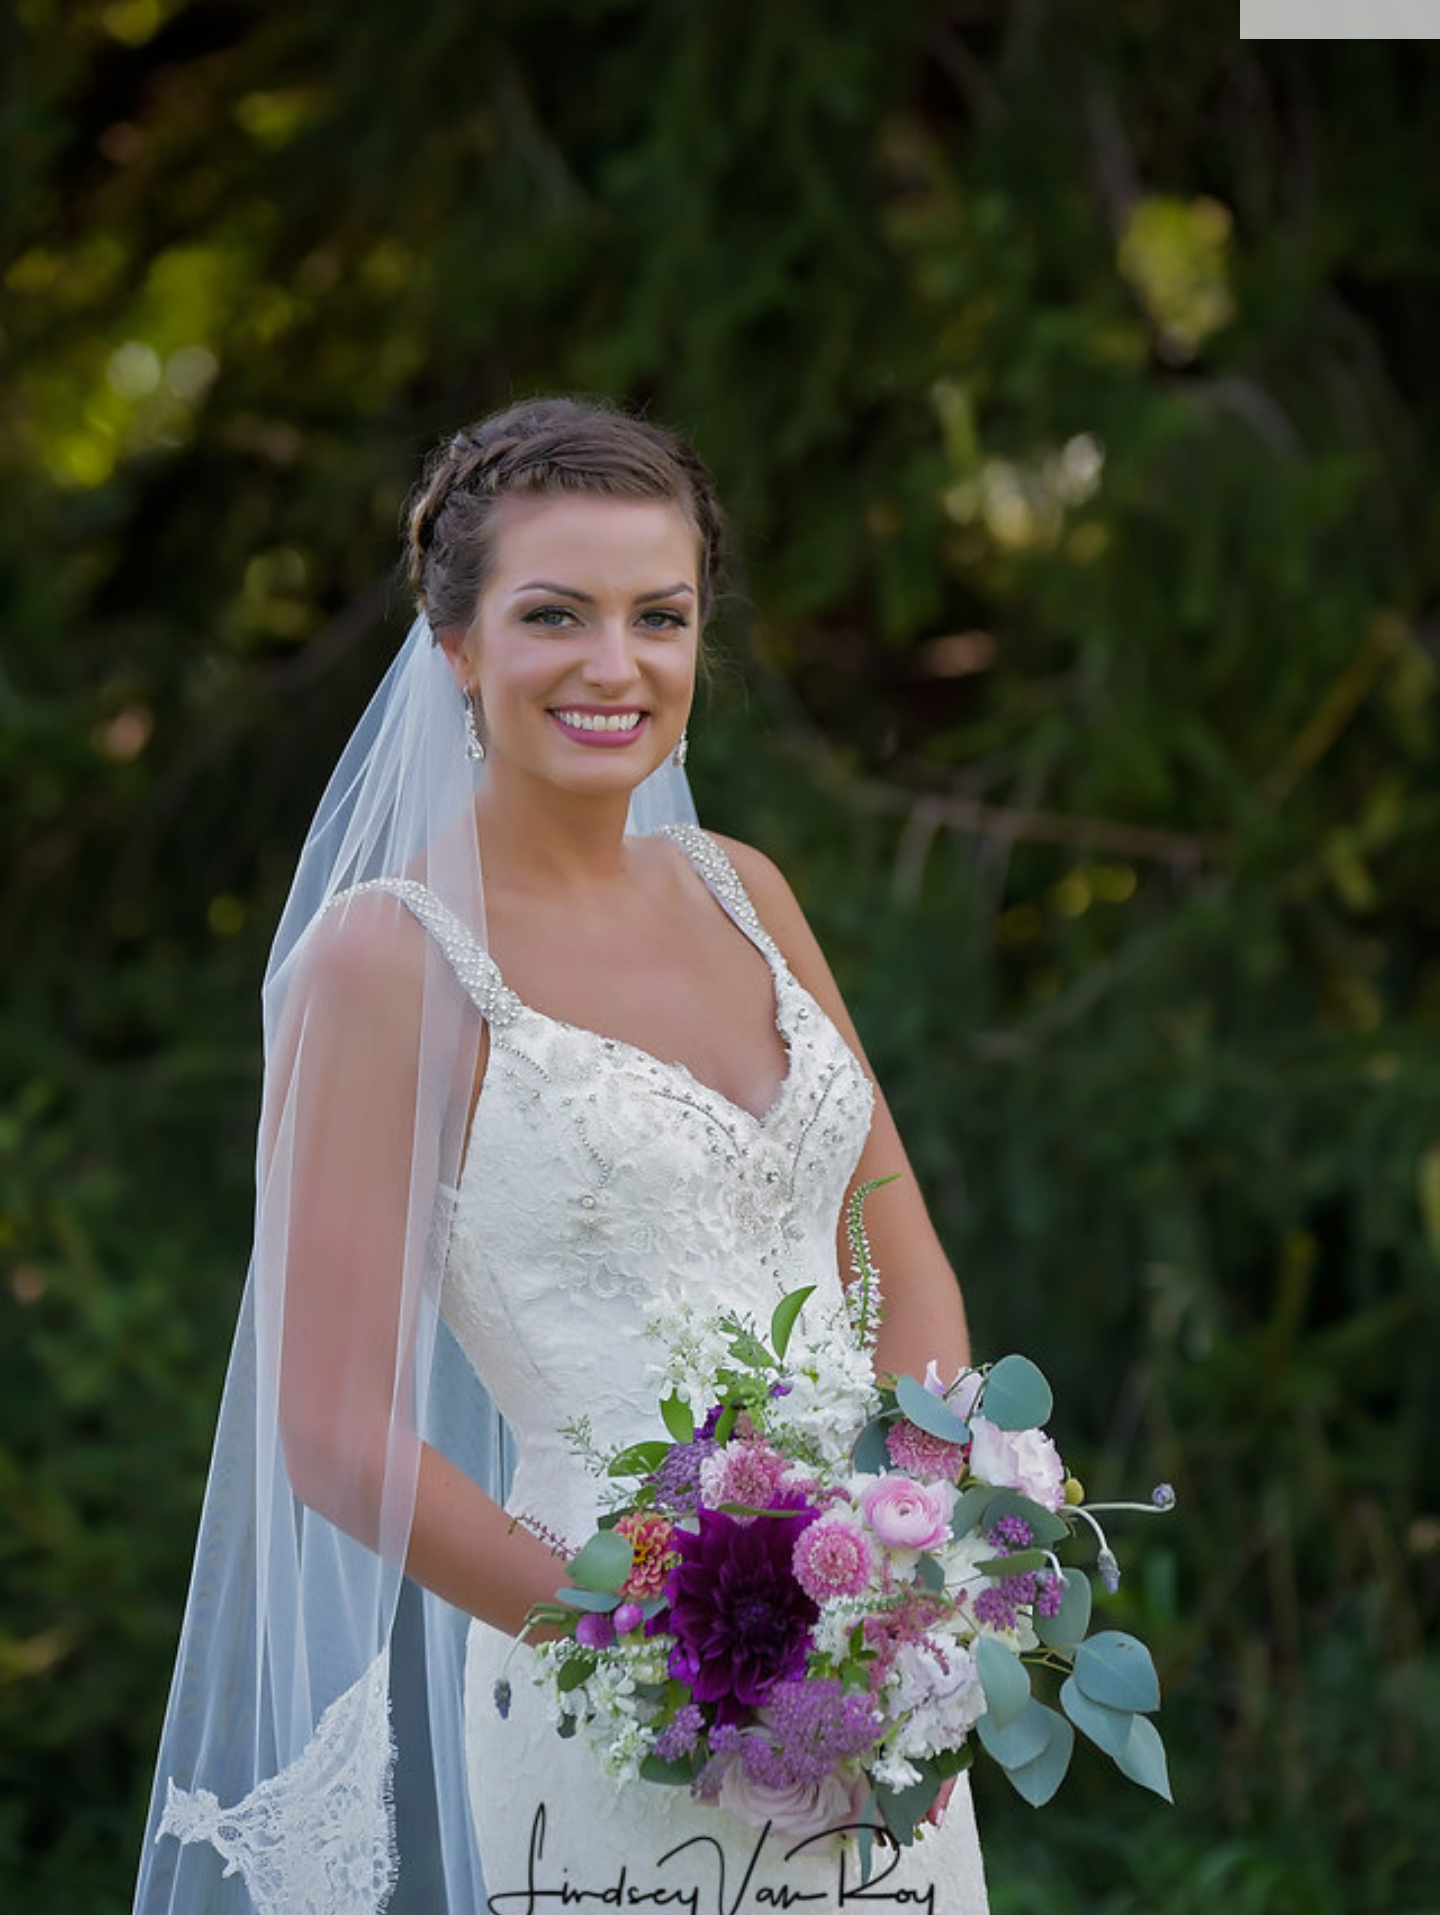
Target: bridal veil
[(312, 1758)]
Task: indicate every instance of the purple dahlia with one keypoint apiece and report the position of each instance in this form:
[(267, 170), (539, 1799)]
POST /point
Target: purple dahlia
[(741, 1621)]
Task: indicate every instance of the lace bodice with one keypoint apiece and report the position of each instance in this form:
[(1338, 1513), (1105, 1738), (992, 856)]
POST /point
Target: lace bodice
[(598, 1176)]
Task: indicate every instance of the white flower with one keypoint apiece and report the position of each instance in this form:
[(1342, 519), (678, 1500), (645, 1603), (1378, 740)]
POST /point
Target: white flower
[(892, 1771), (935, 1687), (1023, 1460)]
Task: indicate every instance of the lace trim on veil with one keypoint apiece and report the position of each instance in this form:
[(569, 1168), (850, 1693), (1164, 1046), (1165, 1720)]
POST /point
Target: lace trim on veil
[(319, 1837)]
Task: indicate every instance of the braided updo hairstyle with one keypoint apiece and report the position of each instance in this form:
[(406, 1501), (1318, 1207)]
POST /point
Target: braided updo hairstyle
[(535, 448)]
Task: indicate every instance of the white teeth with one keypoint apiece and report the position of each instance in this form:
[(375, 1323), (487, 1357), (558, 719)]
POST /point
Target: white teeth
[(600, 721)]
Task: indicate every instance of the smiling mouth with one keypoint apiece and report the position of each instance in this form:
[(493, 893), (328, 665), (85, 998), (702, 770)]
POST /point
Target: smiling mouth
[(615, 721)]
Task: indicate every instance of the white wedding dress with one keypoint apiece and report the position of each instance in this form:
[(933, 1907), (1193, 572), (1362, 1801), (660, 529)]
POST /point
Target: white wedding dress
[(598, 1176)]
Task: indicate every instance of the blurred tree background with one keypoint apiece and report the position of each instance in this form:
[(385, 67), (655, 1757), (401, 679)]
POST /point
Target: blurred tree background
[(1070, 371)]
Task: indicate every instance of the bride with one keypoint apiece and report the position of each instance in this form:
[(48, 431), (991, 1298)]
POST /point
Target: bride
[(537, 1050)]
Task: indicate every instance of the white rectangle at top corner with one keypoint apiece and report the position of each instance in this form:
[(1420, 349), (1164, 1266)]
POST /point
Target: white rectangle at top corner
[(1340, 19)]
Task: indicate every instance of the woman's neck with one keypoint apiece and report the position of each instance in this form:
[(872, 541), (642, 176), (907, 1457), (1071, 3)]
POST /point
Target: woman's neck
[(536, 838)]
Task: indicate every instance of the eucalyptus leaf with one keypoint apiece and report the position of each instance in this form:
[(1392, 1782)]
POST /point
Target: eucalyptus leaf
[(1143, 1758), (928, 1412), (604, 1562), (1004, 1678), (1015, 1395), (1037, 1781), (1019, 1741), (866, 1834), (677, 1418), (1108, 1729), (905, 1809), (599, 1602), (870, 1454), (930, 1574), (971, 1507), (1014, 1564), (782, 1321), (1067, 1627), (1116, 1669), (1045, 1525), (674, 1774)]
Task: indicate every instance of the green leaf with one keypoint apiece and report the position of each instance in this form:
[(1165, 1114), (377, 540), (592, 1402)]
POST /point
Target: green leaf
[(1004, 1678), (1015, 1564), (1046, 1526), (1116, 1669), (598, 1602), (1019, 1741), (575, 1672), (1067, 1628), (1037, 1781), (1108, 1729), (1143, 1758), (566, 1727), (905, 1809), (970, 1509), (640, 1459), (954, 1761), (929, 1574), (1015, 1395), (928, 1412), (671, 1773), (870, 1454), (604, 1562), (783, 1320), (677, 1418), (866, 1834)]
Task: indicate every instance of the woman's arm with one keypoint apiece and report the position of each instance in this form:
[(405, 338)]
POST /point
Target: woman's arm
[(351, 1168), (924, 1315)]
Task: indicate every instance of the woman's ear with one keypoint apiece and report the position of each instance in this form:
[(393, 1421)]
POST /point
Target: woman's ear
[(457, 649)]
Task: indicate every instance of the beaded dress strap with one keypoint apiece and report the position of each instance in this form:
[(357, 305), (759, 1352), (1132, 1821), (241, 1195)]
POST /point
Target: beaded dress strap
[(477, 971), (721, 878)]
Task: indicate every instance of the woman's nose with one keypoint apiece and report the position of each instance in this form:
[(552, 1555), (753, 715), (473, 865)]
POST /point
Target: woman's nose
[(611, 659)]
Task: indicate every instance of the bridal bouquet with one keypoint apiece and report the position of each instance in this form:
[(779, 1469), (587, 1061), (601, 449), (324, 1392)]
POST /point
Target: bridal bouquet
[(818, 1596)]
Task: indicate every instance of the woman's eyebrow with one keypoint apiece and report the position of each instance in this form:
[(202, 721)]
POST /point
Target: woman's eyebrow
[(586, 598)]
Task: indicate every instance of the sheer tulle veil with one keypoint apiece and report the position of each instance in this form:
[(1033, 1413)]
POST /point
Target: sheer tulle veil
[(312, 1757)]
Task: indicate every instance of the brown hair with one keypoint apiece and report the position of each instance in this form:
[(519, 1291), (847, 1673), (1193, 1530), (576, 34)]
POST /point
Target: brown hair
[(542, 446)]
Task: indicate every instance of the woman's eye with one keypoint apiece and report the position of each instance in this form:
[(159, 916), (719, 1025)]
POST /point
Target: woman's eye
[(660, 621), (554, 617)]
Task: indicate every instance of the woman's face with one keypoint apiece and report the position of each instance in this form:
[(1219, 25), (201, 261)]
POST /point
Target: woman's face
[(584, 647)]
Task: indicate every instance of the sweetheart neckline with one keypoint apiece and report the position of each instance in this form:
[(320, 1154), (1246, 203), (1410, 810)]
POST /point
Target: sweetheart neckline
[(780, 975)]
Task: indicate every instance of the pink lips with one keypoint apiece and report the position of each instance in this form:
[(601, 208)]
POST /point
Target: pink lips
[(602, 740)]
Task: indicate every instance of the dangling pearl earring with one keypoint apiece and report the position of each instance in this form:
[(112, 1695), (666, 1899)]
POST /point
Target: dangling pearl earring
[(474, 743), (681, 751)]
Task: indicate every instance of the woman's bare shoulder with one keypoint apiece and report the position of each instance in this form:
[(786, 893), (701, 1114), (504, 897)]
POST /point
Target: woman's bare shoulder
[(367, 948), (770, 893)]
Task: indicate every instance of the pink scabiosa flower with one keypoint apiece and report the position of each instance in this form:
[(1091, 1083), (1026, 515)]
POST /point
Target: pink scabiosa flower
[(833, 1557), (904, 1514), (920, 1454), (654, 1553), (749, 1473)]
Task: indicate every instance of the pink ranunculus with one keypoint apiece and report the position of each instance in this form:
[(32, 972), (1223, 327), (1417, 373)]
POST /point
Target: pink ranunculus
[(1023, 1460), (958, 1396), (907, 1515), (804, 1810)]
